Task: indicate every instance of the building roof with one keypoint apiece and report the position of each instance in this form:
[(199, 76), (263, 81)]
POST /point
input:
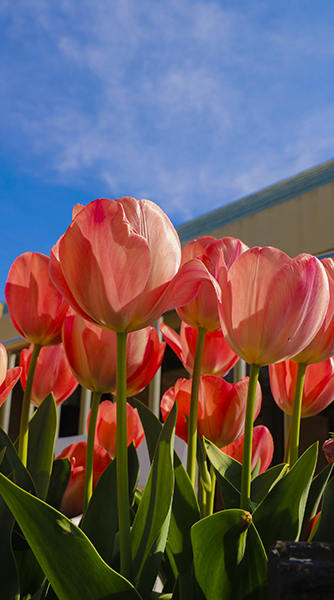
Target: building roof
[(270, 196)]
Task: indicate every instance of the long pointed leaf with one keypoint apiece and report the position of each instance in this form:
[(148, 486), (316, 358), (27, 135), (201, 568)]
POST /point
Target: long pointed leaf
[(280, 515), (68, 559), (229, 558), (228, 473), (150, 527), (42, 435)]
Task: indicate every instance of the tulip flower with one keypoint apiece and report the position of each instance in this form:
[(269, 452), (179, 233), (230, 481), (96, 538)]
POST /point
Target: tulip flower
[(321, 347), (202, 311), (53, 374), (221, 408), (328, 448), (130, 254), (72, 503), (8, 377), (263, 448), (318, 391), (91, 353), (272, 306), (36, 307), (218, 358), (106, 427)]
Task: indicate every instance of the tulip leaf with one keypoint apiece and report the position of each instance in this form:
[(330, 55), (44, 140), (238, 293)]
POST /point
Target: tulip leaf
[(42, 436), (263, 483), (60, 475), (228, 473), (151, 523), (280, 514), (100, 519), (55, 541), (11, 463), (325, 530), (317, 489), (185, 512), (151, 426), (229, 559), (10, 583)]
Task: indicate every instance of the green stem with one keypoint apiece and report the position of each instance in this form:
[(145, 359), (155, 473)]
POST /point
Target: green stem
[(24, 425), (202, 499), (122, 459), (192, 425), (212, 493), (90, 449), (248, 438), (287, 452), (297, 408)]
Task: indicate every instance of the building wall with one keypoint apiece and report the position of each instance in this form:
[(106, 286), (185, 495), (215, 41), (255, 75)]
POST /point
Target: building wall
[(302, 224)]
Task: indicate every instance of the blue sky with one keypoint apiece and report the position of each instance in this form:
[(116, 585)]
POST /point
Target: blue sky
[(192, 104)]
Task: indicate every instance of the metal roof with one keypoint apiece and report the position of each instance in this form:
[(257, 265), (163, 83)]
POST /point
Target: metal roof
[(275, 194)]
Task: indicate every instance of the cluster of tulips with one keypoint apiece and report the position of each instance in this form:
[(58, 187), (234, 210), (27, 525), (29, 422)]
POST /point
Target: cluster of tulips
[(87, 312)]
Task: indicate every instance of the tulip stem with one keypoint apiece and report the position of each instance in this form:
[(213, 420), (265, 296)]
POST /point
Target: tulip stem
[(212, 493), (192, 424), (24, 424), (90, 449), (297, 409), (122, 459), (248, 438)]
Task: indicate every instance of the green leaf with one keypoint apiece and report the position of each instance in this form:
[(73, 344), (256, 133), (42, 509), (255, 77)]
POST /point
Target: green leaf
[(60, 475), (263, 483), (151, 426), (325, 530), (185, 512), (228, 473), (10, 584), (280, 514), (317, 489), (11, 463), (55, 541), (150, 527), (42, 436), (229, 558), (100, 520)]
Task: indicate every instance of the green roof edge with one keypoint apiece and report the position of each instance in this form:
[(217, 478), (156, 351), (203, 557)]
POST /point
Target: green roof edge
[(270, 196)]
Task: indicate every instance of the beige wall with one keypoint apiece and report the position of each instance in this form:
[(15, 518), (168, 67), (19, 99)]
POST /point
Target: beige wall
[(303, 224)]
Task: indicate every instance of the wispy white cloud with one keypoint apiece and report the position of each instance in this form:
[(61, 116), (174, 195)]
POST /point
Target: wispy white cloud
[(189, 103)]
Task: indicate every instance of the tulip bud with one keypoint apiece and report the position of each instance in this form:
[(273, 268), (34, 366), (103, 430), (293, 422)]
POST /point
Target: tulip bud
[(328, 448)]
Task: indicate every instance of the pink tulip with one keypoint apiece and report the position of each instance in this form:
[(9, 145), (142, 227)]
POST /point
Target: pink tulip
[(221, 408), (262, 448), (318, 391), (8, 377), (36, 307), (218, 358), (118, 265), (91, 353), (328, 448), (321, 346), (53, 374), (202, 311), (272, 306), (106, 426), (72, 503)]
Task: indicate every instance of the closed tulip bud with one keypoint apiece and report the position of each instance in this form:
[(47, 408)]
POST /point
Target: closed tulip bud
[(262, 448), (72, 503), (218, 358), (36, 307), (106, 427), (328, 448), (53, 374)]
